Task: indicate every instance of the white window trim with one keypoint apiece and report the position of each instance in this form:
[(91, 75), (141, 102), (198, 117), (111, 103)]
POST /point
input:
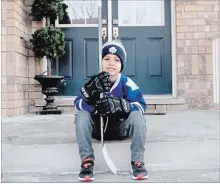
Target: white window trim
[(216, 68), (74, 25)]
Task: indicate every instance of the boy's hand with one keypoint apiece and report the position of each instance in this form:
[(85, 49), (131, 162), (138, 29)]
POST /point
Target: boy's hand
[(97, 84), (111, 105)]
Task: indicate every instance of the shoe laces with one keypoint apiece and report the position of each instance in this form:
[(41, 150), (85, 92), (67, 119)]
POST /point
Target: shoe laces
[(138, 164), (87, 163)]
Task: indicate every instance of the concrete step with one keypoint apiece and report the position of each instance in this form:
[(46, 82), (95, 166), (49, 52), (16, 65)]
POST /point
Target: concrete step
[(180, 147), (157, 105), (64, 158), (155, 176)]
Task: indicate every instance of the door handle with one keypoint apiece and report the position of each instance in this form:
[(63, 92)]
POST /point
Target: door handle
[(115, 32), (104, 33)]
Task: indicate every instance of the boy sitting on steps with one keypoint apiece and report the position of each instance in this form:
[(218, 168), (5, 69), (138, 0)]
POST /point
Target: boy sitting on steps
[(122, 109)]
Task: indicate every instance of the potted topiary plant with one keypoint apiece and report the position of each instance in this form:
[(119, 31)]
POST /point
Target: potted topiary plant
[(48, 42)]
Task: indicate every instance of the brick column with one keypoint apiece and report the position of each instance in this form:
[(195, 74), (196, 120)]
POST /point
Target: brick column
[(14, 59), (198, 21), (18, 69)]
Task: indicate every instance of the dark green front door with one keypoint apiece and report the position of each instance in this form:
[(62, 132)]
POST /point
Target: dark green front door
[(145, 30)]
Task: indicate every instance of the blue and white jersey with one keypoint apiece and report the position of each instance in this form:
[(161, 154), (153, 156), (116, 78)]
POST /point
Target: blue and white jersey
[(125, 88)]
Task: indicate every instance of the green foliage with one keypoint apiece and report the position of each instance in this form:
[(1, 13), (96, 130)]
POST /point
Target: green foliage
[(66, 18), (47, 9), (48, 41)]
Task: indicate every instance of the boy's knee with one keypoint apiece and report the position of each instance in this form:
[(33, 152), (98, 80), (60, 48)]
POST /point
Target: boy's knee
[(82, 117), (137, 118), (136, 115)]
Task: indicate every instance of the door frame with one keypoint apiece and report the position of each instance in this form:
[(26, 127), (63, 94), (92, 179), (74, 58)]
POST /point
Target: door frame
[(173, 46), (216, 68)]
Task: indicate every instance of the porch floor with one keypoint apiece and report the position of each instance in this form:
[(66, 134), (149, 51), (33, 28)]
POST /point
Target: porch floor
[(182, 146)]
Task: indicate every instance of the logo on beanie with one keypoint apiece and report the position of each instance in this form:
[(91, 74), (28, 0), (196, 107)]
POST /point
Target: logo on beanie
[(112, 50)]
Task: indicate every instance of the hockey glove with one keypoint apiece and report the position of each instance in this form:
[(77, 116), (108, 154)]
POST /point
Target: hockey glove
[(111, 105), (97, 84)]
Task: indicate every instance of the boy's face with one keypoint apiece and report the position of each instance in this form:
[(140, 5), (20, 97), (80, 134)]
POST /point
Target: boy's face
[(111, 63)]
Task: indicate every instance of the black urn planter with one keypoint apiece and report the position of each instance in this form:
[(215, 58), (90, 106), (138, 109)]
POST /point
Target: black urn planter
[(49, 88)]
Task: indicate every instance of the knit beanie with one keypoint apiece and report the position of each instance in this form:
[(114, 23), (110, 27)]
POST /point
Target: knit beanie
[(115, 47)]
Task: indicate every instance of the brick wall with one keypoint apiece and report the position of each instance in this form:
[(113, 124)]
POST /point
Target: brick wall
[(35, 68), (18, 68), (197, 22)]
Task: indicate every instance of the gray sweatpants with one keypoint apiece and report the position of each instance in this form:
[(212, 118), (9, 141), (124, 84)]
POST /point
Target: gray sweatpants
[(134, 127)]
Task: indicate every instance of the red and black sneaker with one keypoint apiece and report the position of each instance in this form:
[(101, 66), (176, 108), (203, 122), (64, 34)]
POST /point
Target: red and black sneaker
[(86, 173), (139, 171)]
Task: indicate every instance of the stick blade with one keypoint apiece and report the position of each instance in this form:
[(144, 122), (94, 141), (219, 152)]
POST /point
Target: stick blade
[(108, 160)]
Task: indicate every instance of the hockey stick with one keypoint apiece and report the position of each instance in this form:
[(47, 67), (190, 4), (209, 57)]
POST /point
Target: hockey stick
[(108, 160)]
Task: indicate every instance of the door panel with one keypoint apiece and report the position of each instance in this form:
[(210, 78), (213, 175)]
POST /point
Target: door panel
[(132, 68), (64, 65), (155, 58), (90, 57)]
